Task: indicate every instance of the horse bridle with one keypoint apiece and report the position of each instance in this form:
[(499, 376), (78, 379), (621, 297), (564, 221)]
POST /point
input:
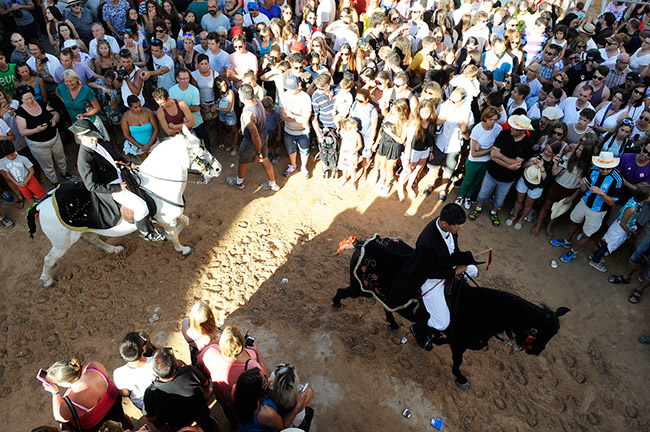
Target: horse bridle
[(193, 158)]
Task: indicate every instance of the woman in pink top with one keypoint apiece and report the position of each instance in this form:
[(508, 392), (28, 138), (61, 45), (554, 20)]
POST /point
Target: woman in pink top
[(225, 362), (92, 395)]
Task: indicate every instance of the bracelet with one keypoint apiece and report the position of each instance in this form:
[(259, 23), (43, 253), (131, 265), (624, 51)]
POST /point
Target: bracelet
[(54, 394)]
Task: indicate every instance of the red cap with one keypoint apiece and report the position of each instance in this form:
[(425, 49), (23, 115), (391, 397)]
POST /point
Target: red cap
[(236, 30)]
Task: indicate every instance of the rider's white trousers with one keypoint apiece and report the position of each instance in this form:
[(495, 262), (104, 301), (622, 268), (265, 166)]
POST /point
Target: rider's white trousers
[(434, 300), (130, 200)]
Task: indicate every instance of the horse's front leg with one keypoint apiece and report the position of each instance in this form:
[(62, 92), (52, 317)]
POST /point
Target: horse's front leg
[(172, 235), (457, 357), (184, 223), (94, 239)]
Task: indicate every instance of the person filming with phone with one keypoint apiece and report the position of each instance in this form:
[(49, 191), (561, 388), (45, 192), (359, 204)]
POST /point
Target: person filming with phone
[(91, 397), (226, 361)]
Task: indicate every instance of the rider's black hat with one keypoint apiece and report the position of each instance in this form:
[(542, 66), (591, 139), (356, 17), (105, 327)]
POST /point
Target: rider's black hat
[(86, 128)]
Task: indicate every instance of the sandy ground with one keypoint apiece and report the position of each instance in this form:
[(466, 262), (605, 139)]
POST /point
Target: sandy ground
[(592, 376)]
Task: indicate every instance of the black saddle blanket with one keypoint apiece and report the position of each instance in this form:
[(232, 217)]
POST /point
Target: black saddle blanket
[(72, 203), (380, 261)]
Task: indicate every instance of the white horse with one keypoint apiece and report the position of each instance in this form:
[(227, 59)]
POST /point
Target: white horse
[(163, 174)]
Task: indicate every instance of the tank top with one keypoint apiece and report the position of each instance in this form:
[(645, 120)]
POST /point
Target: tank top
[(256, 427), (260, 116), (177, 118), (142, 134), (426, 142), (126, 92), (205, 85), (596, 96), (95, 414), (32, 122)]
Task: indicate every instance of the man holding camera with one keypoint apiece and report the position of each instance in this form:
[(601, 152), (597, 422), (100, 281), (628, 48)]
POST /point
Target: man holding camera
[(129, 77), (19, 11), (163, 66)]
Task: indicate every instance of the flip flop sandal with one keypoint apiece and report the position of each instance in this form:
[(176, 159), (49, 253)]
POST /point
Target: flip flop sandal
[(494, 217), (20, 204), (474, 214), (644, 339), (635, 297), (618, 280)]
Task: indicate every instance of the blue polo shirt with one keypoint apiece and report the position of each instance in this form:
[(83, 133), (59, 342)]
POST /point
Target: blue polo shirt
[(611, 184)]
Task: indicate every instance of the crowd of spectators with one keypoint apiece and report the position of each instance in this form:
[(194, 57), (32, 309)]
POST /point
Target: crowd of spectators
[(226, 366)]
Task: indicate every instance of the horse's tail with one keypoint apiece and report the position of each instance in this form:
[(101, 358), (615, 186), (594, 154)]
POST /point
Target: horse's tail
[(349, 243), (32, 212)]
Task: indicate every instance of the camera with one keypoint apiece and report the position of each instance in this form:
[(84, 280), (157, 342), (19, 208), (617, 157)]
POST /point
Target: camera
[(121, 74), (44, 60), (272, 59), (249, 340)]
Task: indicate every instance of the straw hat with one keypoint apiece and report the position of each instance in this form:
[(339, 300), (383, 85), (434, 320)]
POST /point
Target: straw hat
[(589, 29), (533, 174), (605, 160), (520, 122), (559, 208)]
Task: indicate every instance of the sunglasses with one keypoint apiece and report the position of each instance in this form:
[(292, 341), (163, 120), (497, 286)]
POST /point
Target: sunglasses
[(581, 46), (598, 78), (558, 133), (637, 91), (160, 31), (559, 81), (646, 151), (238, 46), (644, 118), (629, 122)]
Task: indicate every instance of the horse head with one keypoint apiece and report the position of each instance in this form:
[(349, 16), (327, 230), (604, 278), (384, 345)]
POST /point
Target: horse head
[(533, 340), (200, 158)]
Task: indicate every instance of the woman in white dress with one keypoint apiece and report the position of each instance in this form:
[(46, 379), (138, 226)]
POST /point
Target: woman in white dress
[(609, 113), (640, 60)]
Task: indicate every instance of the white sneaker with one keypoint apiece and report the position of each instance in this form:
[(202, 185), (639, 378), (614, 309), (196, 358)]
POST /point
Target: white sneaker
[(459, 201), (468, 203), (508, 222)]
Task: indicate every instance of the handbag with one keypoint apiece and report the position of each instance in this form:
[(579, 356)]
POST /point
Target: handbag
[(69, 426)]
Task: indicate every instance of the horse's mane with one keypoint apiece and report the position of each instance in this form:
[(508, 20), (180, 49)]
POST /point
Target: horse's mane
[(173, 149)]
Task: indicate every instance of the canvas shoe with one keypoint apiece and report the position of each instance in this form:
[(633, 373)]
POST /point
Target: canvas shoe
[(268, 186)]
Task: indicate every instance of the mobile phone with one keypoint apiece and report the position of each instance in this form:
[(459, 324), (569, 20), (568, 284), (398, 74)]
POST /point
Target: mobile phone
[(302, 390), (41, 375), (249, 340)]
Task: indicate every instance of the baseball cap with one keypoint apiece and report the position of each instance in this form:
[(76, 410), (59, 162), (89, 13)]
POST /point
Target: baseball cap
[(634, 76), (291, 83), (252, 6), (70, 43), (594, 54), (236, 30)]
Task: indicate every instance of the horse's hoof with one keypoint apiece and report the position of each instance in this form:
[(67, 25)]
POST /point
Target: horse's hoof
[(336, 305), (188, 253), (464, 386), (118, 249), (49, 284), (393, 327)]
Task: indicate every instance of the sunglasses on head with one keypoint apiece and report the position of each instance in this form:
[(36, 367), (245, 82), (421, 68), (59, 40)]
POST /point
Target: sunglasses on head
[(629, 122)]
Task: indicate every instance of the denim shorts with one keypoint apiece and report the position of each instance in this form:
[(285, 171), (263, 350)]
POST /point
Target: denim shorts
[(294, 143), (523, 189)]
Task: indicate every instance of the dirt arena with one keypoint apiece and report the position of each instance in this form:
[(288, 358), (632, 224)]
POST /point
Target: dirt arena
[(593, 376)]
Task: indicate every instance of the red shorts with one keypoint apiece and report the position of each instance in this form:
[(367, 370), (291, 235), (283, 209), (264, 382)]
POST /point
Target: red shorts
[(33, 188)]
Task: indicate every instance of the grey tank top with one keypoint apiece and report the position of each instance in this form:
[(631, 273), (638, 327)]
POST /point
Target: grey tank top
[(260, 117)]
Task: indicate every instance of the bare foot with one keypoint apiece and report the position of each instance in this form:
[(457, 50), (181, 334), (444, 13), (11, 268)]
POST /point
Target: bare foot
[(534, 232), (549, 234)]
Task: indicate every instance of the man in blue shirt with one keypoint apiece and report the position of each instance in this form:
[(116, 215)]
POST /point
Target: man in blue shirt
[(270, 9), (601, 188)]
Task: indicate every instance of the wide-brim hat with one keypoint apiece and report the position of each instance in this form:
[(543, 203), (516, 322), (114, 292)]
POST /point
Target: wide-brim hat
[(551, 113), (605, 160), (589, 29), (520, 122), (533, 174), (559, 208), (460, 258), (85, 127), (72, 2)]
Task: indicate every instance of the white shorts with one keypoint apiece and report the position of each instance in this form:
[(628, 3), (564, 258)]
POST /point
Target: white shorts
[(523, 189), (418, 155), (131, 201)]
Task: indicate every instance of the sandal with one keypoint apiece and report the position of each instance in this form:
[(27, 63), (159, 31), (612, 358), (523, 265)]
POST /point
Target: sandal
[(618, 280), (635, 297), (21, 203), (644, 339), (494, 217), (474, 214)]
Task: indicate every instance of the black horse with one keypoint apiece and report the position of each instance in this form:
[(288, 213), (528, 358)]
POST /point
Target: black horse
[(477, 314)]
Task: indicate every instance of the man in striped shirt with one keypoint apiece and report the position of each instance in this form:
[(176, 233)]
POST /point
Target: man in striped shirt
[(602, 188)]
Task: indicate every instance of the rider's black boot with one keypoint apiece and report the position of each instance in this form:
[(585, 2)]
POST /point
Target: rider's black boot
[(147, 231)]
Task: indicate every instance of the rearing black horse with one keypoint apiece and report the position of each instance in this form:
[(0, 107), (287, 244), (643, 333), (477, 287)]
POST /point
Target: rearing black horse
[(477, 314)]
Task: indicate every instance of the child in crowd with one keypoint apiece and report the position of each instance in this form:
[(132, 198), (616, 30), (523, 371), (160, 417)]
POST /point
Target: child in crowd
[(19, 170), (621, 229), (343, 100), (273, 128), (249, 78), (351, 145), (137, 374)]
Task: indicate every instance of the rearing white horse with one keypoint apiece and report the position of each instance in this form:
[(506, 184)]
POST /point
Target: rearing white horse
[(164, 174)]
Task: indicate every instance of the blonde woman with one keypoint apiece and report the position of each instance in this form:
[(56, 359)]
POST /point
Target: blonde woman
[(106, 58), (226, 361), (390, 143), (200, 329)]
